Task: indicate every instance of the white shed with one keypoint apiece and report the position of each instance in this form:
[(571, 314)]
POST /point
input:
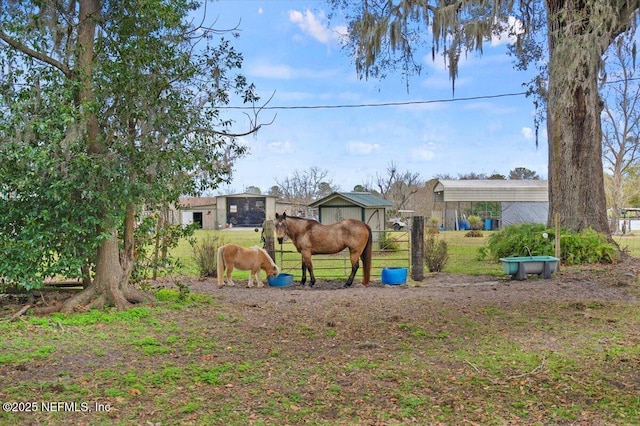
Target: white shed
[(519, 201)]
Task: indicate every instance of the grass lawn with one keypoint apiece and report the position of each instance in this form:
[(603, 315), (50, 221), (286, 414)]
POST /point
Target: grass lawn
[(370, 356), (200, 359)]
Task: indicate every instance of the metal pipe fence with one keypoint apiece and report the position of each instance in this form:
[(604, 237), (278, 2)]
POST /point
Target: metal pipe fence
[(390, 249), (393, 249)]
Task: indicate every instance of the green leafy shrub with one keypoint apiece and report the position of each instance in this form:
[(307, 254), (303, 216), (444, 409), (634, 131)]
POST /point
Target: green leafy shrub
[(474, 233), (520, 240), (586, 247), (528, 239), (436, 253)]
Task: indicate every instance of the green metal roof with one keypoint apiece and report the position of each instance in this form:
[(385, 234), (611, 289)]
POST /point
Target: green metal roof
[(362, 199)]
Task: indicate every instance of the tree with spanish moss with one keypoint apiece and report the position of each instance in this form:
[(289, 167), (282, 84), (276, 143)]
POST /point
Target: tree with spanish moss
[(386, 35)]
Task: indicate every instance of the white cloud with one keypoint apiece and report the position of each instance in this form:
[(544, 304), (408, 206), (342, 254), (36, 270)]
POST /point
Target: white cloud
[(443, 82), (440, 63), (362, 148), (436, 63), (315, 26), (423, 152), (527, 132), (260, 11), (292, 96), (280, 147)]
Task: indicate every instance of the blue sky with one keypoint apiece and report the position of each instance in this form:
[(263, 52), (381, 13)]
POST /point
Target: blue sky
[(291, 50)]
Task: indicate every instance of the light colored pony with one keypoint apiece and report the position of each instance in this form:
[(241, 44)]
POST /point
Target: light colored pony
[(254, 258)]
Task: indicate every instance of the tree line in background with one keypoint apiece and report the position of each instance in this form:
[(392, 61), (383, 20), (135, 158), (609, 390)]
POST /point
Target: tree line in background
[(621, 127), (304, 187)]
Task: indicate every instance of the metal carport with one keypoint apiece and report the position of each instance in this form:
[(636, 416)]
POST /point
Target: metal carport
[(521, 201)]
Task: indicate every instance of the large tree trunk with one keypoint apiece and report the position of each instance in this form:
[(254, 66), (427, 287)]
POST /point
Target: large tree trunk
[(110, 287), (576, 181), (103, 290)]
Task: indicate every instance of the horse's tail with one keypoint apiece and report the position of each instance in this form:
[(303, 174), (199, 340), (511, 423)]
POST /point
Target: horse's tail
[(366, 258), (220, 266)]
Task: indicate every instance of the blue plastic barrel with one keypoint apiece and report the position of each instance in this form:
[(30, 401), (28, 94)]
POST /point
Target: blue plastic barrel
[(394, 276)]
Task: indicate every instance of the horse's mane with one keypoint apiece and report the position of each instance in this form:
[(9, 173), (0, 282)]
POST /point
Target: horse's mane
[(308, 219), (309, 222), (265, 253)]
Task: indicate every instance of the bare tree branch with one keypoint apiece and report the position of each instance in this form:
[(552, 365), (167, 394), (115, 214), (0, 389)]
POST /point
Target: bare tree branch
[(399, 187), (303, 187), (253, 126), (35, 54), (621, 125)]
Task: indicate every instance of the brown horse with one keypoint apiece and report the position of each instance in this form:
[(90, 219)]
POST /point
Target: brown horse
[(312, 237), (246, 259)]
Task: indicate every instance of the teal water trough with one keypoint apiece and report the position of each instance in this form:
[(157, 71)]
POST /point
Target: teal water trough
[(519, 267)]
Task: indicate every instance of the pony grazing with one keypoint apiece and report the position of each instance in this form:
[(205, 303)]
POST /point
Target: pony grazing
[(246, 259), (312, 237)]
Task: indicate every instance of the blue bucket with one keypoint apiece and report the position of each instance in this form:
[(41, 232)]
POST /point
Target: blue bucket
[(394, 276), (281, 280)]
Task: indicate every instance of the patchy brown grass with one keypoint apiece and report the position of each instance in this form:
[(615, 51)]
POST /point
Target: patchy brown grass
[(452, 349)]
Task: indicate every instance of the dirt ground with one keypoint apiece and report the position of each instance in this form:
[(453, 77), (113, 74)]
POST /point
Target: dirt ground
[(596, 283)]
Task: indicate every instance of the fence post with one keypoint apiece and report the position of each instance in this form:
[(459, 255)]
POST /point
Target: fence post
[(557, 239), (268, 239), (417, 248)]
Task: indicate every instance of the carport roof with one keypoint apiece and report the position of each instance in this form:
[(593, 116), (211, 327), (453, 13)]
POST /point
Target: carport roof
[(362, 199), (492, 190)]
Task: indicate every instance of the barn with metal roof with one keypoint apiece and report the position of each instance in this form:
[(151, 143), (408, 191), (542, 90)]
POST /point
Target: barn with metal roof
[(507, 201)]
